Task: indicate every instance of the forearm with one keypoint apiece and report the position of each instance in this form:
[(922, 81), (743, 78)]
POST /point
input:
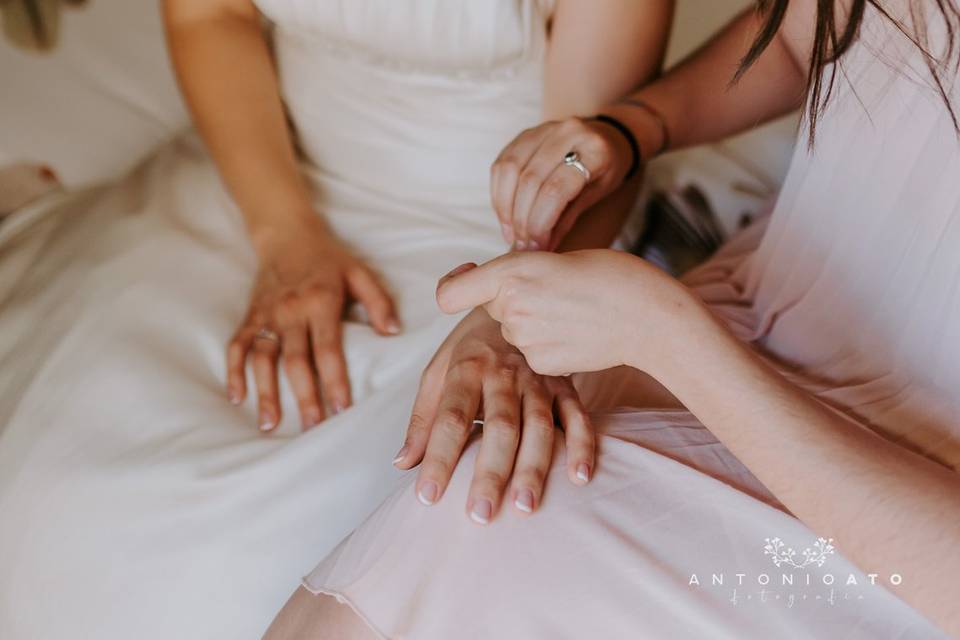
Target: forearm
[(885, 505), (227, 77), (698, 101)]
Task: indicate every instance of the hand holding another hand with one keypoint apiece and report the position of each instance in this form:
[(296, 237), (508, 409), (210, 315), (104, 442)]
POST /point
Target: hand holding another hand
[(578, 311)]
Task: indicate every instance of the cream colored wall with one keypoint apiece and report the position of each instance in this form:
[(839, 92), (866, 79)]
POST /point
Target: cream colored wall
[(696, 20)]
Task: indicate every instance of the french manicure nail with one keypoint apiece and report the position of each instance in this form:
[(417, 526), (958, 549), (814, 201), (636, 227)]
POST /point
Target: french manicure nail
[(520, 245), (393, 327), (234, 397), (481, 512), (427, 494), (524, 501), (583, 472), (266, 426), (401, 454)]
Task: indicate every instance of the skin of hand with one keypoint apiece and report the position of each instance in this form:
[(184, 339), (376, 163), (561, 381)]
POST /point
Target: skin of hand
[(304, 281), (475, 361), (596, 309), (474, 371), (538, 199), (572, 312)]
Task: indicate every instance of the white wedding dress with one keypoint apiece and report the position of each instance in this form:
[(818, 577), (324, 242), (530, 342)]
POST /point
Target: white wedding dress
[(135, 501)]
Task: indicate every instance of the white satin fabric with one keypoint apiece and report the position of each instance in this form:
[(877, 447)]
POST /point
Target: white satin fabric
[(135, 501)]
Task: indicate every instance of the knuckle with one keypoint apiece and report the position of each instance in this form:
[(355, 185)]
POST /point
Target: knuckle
[(506, 372), (454, 419), (262, 359), (502, 425), (570, 125), (542, 423), (296, 362), (507, 164), (529, 179), (236, 348), (418, 425), (554, 189), (438, 467), (533, 476), (490, 478), (469, 367)]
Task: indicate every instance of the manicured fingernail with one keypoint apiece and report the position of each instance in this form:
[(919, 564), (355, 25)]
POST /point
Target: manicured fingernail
[(482, 509), (533, 245), (393, 327), (520, 245), (313, 417), (458, 270), (401, 454), (266, 426), (234, 397), (427, 493), (524, 500), (507, 233), (339, 407), (583, 472)]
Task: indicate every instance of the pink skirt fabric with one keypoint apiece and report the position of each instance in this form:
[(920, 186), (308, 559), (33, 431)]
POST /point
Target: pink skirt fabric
[(852, 288)]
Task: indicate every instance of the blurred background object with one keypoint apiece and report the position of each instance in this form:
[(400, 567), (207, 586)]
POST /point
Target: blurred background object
[(33, 25)]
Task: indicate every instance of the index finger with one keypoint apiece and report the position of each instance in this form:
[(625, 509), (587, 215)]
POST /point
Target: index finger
[(466, 288)]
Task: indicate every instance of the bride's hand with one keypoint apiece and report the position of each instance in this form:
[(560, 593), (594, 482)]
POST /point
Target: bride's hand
[(473, 369), (579, 311), (538, 197), (296, 310)]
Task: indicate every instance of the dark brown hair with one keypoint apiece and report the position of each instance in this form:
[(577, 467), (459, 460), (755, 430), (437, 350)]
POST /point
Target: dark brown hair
[(833, 38)]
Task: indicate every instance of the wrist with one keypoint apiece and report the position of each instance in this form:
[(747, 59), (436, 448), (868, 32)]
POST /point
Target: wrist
[(650, 132), (285, 230), (681, 324)]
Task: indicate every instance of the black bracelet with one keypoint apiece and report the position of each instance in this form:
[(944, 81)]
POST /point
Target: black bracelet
[(631, 140)]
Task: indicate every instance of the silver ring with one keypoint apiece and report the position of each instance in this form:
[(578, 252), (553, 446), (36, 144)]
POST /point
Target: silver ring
[(266, 334), (572, 159)]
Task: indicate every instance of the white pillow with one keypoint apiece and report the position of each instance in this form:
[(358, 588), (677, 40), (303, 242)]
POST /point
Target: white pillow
[(99, 102)]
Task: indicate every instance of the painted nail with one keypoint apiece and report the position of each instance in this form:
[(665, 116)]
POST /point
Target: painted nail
[(520, 245), (524, 500), (466, 266), (533, 245), (339, 407), (313, 418), (266, 426), (393, 327), (427, 494), (401, 454), (234, 397), (481, 512), (583, 472)]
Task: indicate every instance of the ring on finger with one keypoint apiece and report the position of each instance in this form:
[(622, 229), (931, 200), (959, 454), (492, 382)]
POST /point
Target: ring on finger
[(572, 159), (264, 333)]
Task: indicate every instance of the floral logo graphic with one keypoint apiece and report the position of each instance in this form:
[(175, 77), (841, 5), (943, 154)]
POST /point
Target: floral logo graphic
[(784, 556)]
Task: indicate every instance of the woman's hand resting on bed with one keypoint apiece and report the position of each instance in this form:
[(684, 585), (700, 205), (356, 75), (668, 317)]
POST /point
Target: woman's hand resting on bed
[(579, 311), (305, 279), (475, 371)]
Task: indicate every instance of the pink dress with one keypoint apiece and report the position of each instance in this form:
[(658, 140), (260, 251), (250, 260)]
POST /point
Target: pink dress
[(851, 287)]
